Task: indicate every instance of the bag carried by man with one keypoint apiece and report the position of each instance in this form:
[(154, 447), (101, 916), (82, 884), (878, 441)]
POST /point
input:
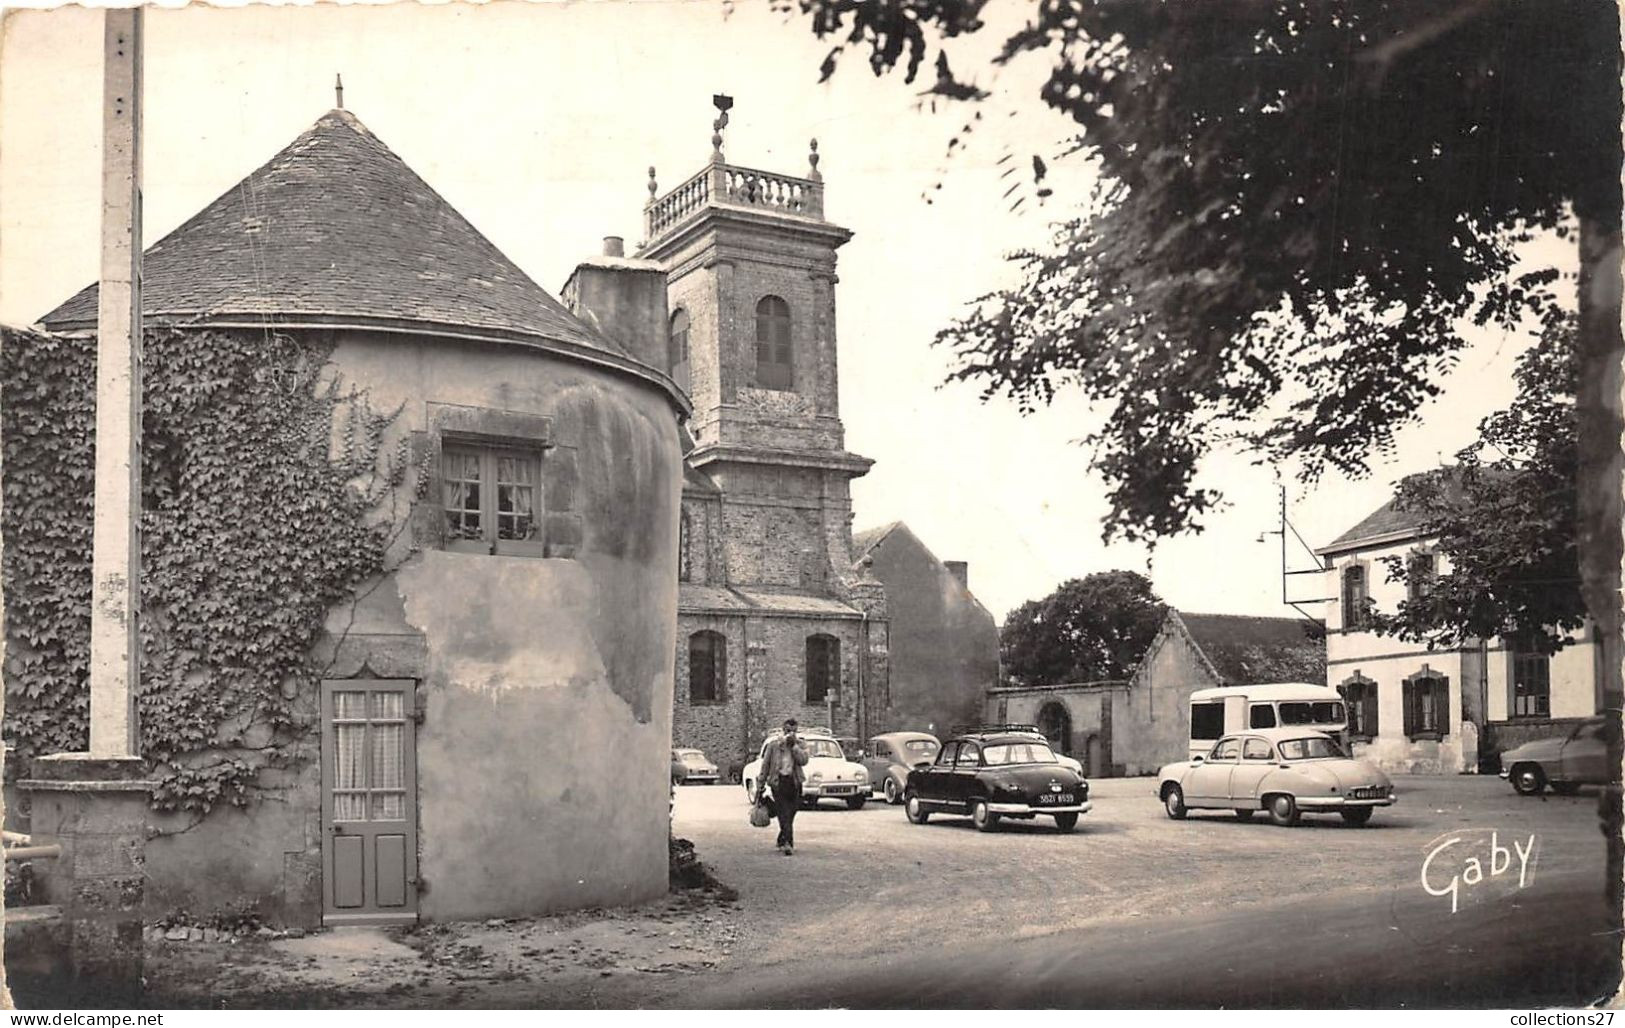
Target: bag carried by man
[(761, 812)]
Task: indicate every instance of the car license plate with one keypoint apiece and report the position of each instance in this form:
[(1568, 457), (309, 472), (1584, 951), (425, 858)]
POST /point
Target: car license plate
[(838, 790), (1053, 797), (1370, 794)]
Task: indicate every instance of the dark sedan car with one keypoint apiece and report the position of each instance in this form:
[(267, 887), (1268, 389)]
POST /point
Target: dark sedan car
[(994, 776)]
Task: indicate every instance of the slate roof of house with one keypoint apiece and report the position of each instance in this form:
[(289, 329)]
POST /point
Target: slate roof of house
[(869, 538), (1384, 522), (1245, 650), (336, 230)]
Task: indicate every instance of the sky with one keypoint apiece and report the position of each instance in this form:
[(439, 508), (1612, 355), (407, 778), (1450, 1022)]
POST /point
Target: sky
[(539, 122)]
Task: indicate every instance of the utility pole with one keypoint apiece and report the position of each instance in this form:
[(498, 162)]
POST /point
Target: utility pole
[(115, 656)]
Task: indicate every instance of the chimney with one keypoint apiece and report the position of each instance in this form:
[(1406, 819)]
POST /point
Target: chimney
[(960, 570), (625, 299)]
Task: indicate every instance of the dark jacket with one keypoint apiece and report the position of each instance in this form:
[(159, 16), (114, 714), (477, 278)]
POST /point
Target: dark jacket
[(769, 773)]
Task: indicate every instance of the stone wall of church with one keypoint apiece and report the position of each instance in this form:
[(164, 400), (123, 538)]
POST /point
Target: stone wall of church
[(718, 728)]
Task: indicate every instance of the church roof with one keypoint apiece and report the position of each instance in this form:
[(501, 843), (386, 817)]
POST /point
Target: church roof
[(336, 231), (1245, 649)]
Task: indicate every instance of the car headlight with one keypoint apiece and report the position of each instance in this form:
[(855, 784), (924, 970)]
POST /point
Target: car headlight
[(816, 776), (862, 774)]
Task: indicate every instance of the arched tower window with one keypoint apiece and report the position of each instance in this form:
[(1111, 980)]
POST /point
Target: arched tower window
[(677, 349), (823, 667), (774, 358), (707, 667)]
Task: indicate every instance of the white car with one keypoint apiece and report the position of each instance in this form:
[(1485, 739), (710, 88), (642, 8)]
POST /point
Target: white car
[(829, 775)]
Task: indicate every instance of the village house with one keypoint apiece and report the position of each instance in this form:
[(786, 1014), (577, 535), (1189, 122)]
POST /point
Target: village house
[(778, 616), (490, 735), (1437, 710), (1134, 727), (944, 643)]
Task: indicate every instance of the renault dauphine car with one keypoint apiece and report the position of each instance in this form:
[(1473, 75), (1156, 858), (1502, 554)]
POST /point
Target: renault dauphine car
[(993, 776), (1285, 771)]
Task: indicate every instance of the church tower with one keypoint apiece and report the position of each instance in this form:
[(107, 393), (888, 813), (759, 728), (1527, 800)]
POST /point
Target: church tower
[(772, 620), (751, 280)]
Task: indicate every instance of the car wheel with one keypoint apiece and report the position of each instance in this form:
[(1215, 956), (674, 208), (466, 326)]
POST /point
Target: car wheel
[(856, 802), (914, 810), (1173, 801), (1565, 788), (1246, 815), (984, 819), (1284, 810), (894, 795), (1528, 780), (1066, 822), (1356, 816)]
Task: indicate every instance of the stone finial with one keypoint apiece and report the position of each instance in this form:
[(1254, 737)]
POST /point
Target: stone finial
[(653, 188), (338, 88), (812, 159), (723, 104)]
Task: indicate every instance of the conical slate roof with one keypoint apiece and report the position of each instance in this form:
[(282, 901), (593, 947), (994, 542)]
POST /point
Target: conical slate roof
[(337, 231)]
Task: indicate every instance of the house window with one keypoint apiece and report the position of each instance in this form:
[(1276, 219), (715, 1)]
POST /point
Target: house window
[(1427, 705), (1531, 685), (677, 349), (707, 667), (1361, 695), (823, 668), (773, 356), (1420, 571), (1355, 597), (492, 497)]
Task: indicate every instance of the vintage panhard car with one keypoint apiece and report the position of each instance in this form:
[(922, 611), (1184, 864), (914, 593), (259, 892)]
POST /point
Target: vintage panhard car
[(1286, 771), (996, 775), (893, 755), (829, 775), (1565, 762), (697, 769)]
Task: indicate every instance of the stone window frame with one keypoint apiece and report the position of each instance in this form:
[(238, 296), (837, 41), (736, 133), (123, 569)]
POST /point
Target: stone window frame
[(823, 668), (774, 328), (716, 663), (1427, 693), (1360, 698), (491, 430)]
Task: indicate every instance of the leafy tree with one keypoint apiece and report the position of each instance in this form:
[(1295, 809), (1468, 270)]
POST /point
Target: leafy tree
[(1503, 520), (1300, 200), (1090, 629)]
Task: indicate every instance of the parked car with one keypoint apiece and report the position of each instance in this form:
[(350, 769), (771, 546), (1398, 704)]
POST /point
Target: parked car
[(829, 775), (1565, 762), (892, 756), (993, 776), (679, 770), (1286, 771), (697, 769)]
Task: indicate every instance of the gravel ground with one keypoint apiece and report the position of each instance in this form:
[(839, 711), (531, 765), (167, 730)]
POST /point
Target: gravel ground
[(866, 885)]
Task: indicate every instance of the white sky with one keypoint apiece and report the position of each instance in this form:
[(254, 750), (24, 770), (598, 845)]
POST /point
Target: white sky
[(539, 122)]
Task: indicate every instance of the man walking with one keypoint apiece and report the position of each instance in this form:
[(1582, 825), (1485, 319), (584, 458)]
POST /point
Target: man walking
[(781, 769)]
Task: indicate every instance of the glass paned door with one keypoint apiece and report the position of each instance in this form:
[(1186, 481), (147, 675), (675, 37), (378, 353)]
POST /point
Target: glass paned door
[(369, 809)]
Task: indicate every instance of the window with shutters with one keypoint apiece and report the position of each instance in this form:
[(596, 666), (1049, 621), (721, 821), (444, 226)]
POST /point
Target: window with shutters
[(1360, 693), (1421, 570), (774, 356), (823, 668), (1531, 684), (707, 667), (1355, 597), (1427, 705)]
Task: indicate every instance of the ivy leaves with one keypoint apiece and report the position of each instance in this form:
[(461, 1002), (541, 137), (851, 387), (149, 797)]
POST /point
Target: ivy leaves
[(259, 486)]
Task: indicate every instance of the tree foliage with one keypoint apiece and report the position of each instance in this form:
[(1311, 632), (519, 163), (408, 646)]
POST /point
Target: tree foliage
[(1090, 629), (1503, 519), (1300, 200), (261, 511)]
